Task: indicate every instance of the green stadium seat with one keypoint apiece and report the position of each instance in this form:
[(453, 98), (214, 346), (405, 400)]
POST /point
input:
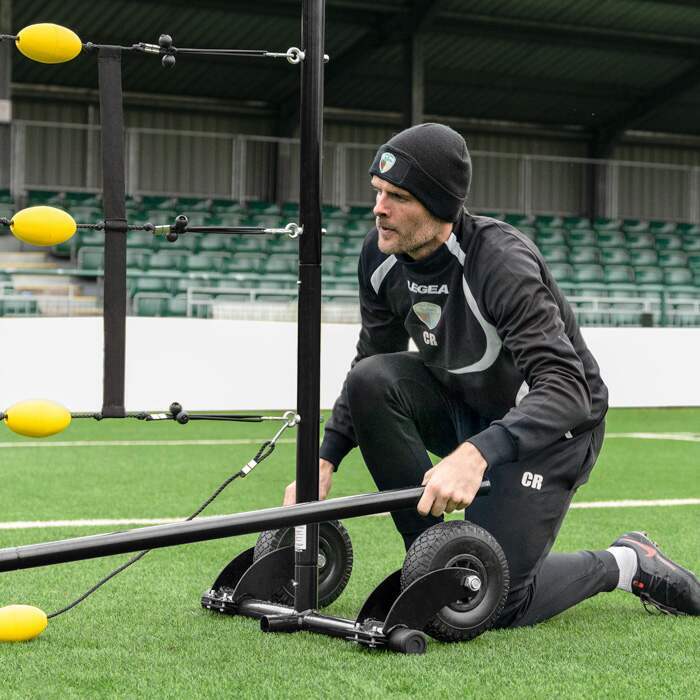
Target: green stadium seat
[(518, 220), (92, 238), (691, 243), (245, 263), (46, 197), (358, 228), (618, 274), (186, 204), (643, 257), (234, 218), (581, 237), (91, 258), (562, 272), (577, 222), (19, 307), (331, 245), (281, 264), (284, 245), (677, 276), (668, 241), (139, 239), (353, 247), (212, 262), (246, 244), (694, 261), (657, 227), (176, 306), (151, 285), (582, 255), (635, 226), (150, 304), (603, 223), (257, 206), (555, 254), (648, 275), (85, 214), (346, 267), (621, 289), (686, 229), (157, 201), (673, 258), (551, 236), (614, 256), (639, 240), (212, 243), (548, 221), (336, 227), (585, 274), (195, 218), (610, 239), (160, 217), (227, 206), (138, 258), (166, 261)]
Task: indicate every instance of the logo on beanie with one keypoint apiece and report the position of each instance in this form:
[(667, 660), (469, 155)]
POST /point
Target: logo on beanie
[(386, 162)]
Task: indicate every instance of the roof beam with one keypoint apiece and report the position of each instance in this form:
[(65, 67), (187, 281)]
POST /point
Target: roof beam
[(552, 33), (611, 132), (381, 30)]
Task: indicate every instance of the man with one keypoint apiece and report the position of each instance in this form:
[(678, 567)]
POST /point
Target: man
[(502, 386)]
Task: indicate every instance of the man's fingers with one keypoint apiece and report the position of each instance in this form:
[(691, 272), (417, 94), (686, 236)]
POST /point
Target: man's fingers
[(290, 494), (438, 506), (427, 475), (426, 502)]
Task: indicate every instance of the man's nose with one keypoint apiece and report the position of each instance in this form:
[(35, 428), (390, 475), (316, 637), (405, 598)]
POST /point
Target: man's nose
[(380, 206)]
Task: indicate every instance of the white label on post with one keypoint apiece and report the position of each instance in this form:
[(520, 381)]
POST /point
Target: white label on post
[(300, 538)]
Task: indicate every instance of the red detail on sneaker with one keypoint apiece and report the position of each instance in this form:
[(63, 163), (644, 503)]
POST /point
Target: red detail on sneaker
[(648, 549), (637, 584)]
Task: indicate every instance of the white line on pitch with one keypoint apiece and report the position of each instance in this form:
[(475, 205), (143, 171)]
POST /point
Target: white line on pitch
[(112, 522), (141, 443), (683, 437)]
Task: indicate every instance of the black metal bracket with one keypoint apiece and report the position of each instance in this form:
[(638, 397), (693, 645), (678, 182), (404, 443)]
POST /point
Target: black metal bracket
[(390, 618)]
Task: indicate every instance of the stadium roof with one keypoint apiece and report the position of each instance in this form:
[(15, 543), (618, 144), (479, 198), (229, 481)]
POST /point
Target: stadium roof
[(595, 67)]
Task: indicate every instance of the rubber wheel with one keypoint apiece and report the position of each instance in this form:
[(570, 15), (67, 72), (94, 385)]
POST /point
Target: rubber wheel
[(463, 544), (335, 559)]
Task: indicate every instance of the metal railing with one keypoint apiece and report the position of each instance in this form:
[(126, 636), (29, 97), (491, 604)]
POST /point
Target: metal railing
[(59, 156), (241, 301)]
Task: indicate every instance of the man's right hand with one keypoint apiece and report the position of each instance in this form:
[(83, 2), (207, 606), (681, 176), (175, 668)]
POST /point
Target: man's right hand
[(325, 477)]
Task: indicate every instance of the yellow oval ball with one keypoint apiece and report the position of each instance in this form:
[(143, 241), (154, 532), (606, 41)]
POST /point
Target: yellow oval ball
[(48, 43), (43, 225), (37, 418), (20, 623)]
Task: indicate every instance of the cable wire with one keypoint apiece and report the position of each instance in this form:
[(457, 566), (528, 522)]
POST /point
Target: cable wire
[(266, 449)]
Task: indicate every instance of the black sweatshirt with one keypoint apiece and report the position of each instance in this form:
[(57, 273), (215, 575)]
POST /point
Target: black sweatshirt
[(494, 329)]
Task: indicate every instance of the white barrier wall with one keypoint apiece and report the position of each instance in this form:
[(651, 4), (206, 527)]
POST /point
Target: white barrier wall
[(252, 365)]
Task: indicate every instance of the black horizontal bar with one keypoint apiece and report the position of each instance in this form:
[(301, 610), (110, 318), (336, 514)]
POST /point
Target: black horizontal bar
[(153, 537)]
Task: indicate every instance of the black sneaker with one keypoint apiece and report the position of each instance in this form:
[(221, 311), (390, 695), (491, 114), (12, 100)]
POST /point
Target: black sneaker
[(658, 581)]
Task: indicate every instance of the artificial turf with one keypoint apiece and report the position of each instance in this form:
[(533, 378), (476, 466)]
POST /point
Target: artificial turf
[(145, 635)]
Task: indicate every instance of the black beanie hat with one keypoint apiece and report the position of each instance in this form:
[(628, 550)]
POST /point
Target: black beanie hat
[(432, 162)]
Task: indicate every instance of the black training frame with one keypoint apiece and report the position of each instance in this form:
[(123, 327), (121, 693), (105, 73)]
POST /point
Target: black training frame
[(391, 617)]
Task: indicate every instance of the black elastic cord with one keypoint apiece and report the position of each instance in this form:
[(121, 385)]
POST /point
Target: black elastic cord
[(142, 554)]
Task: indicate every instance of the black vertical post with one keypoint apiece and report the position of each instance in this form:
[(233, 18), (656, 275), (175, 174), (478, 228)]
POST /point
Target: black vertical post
[(309, 325), (114, 194)]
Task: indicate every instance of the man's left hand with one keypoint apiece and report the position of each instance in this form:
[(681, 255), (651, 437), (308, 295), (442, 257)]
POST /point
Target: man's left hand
[(453, 482)]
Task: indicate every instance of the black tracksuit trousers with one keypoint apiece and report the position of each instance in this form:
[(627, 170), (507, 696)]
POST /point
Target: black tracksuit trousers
[(400, 412)]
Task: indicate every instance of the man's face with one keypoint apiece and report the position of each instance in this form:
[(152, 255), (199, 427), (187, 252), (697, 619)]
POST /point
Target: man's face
[(403, 223)]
